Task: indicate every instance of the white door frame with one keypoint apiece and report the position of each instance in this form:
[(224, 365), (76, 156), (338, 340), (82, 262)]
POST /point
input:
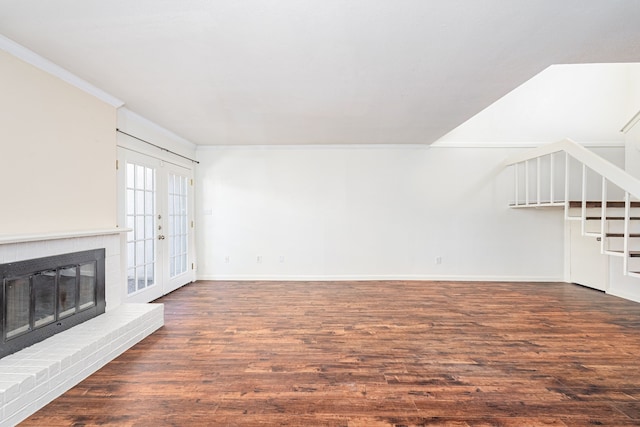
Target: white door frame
[(163, 282)]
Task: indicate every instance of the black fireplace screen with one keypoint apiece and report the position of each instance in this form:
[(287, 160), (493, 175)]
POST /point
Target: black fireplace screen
[(44, 296)]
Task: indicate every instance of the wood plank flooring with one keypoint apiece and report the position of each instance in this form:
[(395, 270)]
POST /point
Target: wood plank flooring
[(372, 354)]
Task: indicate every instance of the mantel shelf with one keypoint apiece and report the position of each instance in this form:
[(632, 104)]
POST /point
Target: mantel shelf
[(38, 237)]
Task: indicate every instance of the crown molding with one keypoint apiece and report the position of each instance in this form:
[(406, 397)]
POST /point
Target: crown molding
[(265, 147), (532, 144), (47, 66), (442, 145), (128, 114)]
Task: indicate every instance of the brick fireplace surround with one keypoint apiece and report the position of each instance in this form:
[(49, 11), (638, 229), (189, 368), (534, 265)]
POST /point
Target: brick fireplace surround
[(33, 377)]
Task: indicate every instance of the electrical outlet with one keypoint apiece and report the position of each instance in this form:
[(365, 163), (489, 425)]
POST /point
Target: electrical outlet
[(259, 259), (281, 258), (438, 260), (226, 259)]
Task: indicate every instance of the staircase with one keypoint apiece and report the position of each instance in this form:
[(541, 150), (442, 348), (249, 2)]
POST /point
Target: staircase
[(603, 197), (614, 239)]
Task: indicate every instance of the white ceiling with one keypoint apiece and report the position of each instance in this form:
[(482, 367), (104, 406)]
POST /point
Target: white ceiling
[(318, 71)]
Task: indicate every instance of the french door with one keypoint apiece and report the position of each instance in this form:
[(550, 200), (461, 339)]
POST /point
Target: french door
[(155, 204)]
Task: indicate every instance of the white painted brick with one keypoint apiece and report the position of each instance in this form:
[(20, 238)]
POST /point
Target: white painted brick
[(97, 341), (54, 391), (10, 252), (39, 374), (22, 381), (55, 381), (91, 368), (47, 369), (18, 378), (28, 250), (51, 366), (25, 403), (77, 360), (9, 391), (102, 342), (97, 241), (112, 263), (113, 244), (64, 246), (13, 418), (15, 359)]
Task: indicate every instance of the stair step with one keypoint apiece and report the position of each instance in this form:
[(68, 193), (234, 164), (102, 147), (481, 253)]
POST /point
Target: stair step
[(632, 254), (614, 253), (598, 204), (612, 218), (537, 205)]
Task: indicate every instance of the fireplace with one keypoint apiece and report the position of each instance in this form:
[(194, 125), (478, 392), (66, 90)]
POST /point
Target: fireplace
[(41, 297)]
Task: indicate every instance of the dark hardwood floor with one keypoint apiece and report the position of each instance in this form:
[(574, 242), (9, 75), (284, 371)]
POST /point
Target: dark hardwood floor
[(372, 354)]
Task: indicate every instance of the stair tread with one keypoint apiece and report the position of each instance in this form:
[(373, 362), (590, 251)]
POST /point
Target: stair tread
[(612, 218), (598, 204), (632, 254)]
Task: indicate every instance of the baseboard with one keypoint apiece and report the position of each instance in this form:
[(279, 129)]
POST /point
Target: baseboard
[(624, 295), (366, 277)]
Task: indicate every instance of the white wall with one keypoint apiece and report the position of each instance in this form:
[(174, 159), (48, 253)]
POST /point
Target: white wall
[(632, 149), (374, 212), (57, 153), (390, 212), (620, 284), (633, 89), (586, 102), (632, 131)]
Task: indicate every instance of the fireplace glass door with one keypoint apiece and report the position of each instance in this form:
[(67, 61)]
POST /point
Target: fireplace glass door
[(47, 296), (43, 296)]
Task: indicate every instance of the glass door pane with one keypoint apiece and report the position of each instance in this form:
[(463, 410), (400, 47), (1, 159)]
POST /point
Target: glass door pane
[(44, 289), (141, 219), (178, 230), (67, 292), (18, 296)]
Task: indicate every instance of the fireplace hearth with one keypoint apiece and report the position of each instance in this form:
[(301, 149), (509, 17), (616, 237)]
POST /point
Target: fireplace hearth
[(41, 297)]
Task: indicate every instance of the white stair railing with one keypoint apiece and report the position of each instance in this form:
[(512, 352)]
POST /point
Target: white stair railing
[(560, 185)]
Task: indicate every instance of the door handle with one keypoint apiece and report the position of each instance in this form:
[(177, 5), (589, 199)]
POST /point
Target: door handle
[(161, 237)]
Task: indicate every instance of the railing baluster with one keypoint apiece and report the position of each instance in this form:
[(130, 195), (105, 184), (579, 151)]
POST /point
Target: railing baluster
[(551, 178), (566, 186), (625, 243), (603, 215), (517, 172), (538, 180), (584, 198), (526, 182)]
